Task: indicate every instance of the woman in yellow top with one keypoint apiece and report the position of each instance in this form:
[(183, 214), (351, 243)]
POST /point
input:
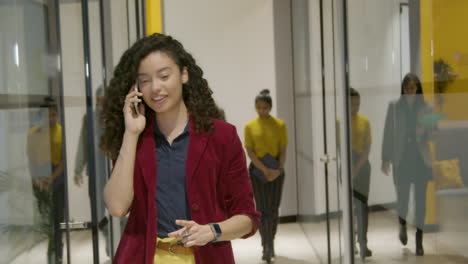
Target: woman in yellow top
[(266, 135), (361, 140), (44, 150)]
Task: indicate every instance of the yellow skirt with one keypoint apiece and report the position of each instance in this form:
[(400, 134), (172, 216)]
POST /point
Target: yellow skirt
[(165, 257)]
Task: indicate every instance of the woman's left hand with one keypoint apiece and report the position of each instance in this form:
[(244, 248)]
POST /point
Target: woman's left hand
[(193, 234)]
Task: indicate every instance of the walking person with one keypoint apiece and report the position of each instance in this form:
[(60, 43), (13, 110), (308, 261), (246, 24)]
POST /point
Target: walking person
[(44, 150), (361, 140), (179, 170), (406, 149), (266, 139)]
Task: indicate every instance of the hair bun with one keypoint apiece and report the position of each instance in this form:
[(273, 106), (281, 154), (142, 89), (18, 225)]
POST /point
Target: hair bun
[(265, 92)]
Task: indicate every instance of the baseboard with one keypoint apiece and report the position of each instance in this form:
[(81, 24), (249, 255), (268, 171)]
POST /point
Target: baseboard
[(382, 207), (319, 217), (288, 219), (337, 214), (433, 228)]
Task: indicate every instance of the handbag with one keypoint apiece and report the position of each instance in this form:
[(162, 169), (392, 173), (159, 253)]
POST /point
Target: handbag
[(270, 162)]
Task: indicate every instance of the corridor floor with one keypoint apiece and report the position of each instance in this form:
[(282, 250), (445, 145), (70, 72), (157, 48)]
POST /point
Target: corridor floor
[(293, 247)]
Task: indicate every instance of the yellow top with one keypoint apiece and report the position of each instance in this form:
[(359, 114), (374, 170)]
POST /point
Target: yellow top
[(266, 136), (45, 144), (360, 133)]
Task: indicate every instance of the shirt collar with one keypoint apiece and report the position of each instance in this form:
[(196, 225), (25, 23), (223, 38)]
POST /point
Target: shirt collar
[(158, 132)]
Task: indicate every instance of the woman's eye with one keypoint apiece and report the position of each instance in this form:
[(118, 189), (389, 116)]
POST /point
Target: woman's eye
[(165, 77)]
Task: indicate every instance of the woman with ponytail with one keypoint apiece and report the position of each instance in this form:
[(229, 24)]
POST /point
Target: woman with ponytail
[(266, 141)]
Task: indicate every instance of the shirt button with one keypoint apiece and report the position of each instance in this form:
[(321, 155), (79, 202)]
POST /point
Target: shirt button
[(195, 207)]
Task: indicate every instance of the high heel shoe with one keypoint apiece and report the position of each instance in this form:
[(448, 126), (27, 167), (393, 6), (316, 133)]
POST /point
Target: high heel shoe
[(419, 243), (403, 235)]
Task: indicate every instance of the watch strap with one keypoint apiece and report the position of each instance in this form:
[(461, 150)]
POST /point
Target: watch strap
[(216, 229)]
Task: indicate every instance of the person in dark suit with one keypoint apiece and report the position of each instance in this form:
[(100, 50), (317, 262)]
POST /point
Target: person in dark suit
[(406, 148), (179, 170)]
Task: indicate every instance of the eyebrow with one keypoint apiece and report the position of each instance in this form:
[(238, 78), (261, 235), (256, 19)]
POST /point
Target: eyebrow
[(159, 71)]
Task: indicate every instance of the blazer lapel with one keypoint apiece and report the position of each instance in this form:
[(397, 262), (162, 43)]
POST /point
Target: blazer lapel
[(146, 155), (196, 149)]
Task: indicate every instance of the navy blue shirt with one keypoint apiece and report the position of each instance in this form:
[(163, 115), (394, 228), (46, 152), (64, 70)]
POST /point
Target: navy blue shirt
[(171, 195)]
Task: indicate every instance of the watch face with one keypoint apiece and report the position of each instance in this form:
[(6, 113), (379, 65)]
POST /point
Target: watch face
[(217, 229)]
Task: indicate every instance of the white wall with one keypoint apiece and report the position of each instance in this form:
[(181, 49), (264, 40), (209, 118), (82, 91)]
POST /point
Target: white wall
[(234, 43)]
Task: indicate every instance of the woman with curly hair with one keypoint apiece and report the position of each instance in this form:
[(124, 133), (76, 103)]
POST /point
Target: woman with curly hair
[(179, 170)]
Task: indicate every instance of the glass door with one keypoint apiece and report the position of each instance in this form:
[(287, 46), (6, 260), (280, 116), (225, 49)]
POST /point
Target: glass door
[(83, 89), (417, 192), (323, 188), (55, 60), (32, 164)]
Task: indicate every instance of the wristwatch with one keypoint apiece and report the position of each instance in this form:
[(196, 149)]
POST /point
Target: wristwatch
[(216, 229)]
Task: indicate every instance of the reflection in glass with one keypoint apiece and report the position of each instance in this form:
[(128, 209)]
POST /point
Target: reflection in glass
[(406, 148), (44, 150), (421, 147), (361, 140)]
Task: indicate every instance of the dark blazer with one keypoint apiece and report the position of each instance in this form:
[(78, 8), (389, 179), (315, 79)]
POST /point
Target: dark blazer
[(394, 139), (218, 187)]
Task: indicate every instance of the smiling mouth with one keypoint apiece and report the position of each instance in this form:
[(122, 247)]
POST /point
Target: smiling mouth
[(159, 98)]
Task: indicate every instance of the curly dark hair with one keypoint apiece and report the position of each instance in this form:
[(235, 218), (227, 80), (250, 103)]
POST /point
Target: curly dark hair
[(196, 93)]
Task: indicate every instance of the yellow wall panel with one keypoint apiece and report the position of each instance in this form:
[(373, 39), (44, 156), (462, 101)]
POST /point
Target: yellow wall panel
[(154, 23), (450, 44)]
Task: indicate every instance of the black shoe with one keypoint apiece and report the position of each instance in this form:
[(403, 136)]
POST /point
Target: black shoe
[(103, 223), (364, 253), (419, 244), (368, 252), (266, 256), (403, 236), (419, 251)]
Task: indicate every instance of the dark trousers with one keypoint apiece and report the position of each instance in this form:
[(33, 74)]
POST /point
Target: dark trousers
[(403, 193), (416, 173), (58, 216), (267, 201), (361, 183), (51, 205)]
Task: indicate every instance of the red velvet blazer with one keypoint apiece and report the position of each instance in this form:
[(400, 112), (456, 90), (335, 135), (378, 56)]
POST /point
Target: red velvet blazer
[(218, 187)]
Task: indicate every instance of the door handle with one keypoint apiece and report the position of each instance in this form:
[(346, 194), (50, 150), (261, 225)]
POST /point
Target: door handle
[(327, 159), (75, 225)]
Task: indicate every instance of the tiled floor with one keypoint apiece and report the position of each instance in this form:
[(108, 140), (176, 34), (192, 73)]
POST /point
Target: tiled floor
[(293, 246)]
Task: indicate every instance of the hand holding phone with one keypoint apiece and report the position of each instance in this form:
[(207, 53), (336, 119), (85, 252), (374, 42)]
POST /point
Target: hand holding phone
[(135, 104)]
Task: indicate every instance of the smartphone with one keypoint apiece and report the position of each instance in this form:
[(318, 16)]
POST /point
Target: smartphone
[(136, 104)]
